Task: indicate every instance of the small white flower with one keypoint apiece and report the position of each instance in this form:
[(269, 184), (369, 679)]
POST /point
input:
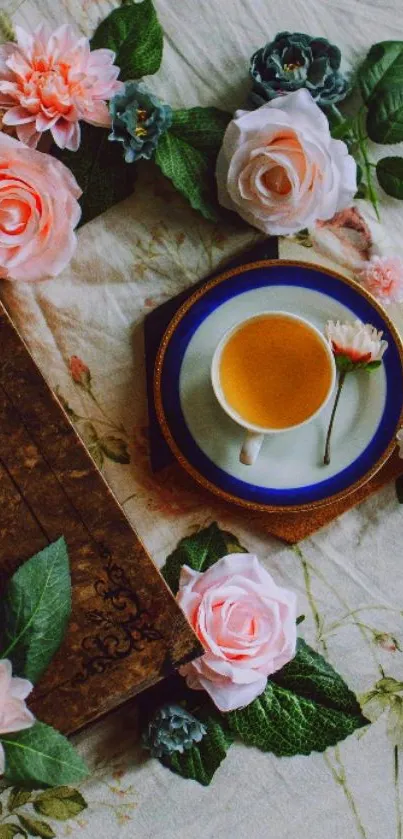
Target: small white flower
[(360, 342)]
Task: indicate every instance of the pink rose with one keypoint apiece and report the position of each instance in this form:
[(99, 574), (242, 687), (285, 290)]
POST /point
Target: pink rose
[(38, 213), (246, 623), (280, 169), (14, 714)]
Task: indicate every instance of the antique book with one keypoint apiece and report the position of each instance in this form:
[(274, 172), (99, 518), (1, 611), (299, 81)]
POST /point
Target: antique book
[(126, 631)]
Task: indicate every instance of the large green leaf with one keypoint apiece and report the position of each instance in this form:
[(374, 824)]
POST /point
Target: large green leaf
[(382, 68), (100, 170), (60, 803), (202, 761), (306, 707), (187, 152), (134, 34), (190, 172), (199, 551), (41, 755), (389, 171), (311, 676), (35, 611), (202, 128), (385, 116)]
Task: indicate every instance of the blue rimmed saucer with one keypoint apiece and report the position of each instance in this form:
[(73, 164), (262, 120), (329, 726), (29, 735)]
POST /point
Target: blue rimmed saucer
[(289, 473)]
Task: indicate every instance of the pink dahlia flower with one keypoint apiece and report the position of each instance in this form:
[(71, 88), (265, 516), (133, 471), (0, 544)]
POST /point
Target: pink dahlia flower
[(50, 81), (383, 277)]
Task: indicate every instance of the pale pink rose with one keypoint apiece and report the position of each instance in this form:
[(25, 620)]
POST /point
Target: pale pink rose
[(50, 81), (246, 623), (38, 212), (279, 168), (383, 277), (14, 714)]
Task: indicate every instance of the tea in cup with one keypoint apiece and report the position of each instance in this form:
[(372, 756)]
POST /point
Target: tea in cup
[(272, 373)]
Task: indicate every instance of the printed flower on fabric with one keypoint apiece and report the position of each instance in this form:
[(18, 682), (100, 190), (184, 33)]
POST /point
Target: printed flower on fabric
[(246, 623), (51, 81), (138, 120), (80, 372), (38, 212), (383, 277), (346, 238), (293, 61), (280, 169), (14, 714), (355, 344), (386, 695)]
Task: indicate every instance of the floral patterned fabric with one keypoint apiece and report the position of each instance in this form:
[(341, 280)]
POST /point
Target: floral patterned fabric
[(85, 331)]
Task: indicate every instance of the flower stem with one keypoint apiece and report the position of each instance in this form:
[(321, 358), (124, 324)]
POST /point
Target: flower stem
[(342, 376), (398, 809), (367, 164)]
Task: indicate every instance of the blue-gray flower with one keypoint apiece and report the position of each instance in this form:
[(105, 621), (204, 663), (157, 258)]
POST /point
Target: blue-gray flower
[(172, 729), (294, 60), (138, 120)]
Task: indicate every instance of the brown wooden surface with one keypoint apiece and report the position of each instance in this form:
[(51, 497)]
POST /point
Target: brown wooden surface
[(126, 630)]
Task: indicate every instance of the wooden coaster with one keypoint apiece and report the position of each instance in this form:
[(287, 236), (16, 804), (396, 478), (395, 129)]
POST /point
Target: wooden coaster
[(290, 527), (126, 631)]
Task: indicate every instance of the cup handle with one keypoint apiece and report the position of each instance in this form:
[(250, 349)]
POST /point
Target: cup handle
[(251, 448)]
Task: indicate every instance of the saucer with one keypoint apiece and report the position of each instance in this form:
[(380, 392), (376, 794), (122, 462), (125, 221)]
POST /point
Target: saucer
[(289, 473)]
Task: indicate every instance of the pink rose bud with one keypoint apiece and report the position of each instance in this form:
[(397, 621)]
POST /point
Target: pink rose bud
[(79, 371), (246, 623)]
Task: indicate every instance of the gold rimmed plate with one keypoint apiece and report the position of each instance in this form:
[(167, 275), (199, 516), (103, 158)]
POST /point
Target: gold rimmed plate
[(289, 474)]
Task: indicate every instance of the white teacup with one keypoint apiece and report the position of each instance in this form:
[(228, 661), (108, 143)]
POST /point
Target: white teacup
[(255, 433)]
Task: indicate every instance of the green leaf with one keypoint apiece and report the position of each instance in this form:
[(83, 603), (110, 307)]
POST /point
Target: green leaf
[(35, 611), (385, 116), (186, 155), (390, 176), (100, 170), (309, 674), (41, 755), (17, 798), (202, 128), (60, 803), (115, 448), (306, 707), (134, 34), (199, 551), (382, 68), (373, 365), (202, 761), (191, 173), (8, 831), (34, 827)]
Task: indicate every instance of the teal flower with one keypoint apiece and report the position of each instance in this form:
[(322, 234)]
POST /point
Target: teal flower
[(294, 60), (172, 729), (138, 120)]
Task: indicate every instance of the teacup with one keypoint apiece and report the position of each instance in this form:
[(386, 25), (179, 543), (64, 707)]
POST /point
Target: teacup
[(272, 373)]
